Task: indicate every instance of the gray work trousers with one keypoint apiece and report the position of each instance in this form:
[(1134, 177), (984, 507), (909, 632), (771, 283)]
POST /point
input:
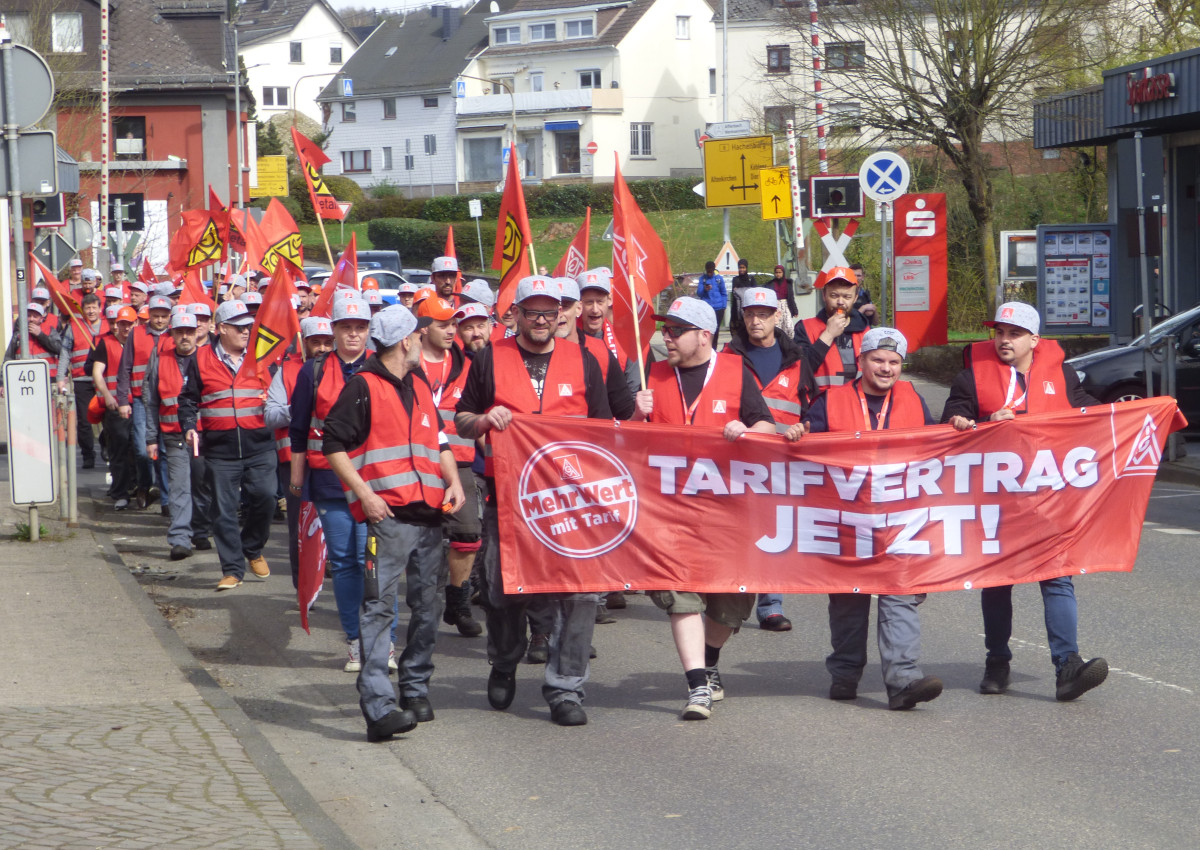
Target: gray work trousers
[(188, 508), (574, 619), (414, 552), (233, 481), (898, 630)]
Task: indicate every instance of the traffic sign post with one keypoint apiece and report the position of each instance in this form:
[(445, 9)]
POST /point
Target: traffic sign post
[(31, 465), (884, 177), (731, 170), (475, 208), (592, 147), (776, 193)]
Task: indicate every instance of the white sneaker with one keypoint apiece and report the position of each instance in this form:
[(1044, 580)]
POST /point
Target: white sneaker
[(353, 657), (392, 665)]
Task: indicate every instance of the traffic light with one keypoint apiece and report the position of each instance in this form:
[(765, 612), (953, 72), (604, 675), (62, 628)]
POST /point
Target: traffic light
[(48, 211), (131, 204), (836, 196)]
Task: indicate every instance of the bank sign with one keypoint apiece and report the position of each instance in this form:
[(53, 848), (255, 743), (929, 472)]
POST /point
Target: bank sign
[(1148, 87)]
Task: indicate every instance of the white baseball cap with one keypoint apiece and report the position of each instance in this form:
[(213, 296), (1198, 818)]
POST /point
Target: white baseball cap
[(444, 264), (691, 311), (885, 339), (1018, 314), (478, 290), (474, 310), (760, 296), (570, 289)]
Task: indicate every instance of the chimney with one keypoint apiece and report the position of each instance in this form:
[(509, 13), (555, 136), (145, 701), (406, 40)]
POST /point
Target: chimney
[(450, 21)]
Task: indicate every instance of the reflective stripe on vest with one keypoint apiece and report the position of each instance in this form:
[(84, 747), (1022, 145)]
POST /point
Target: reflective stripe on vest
[(112, 358), (170, 384), (464, 449), (143, 345), (1045, 386), (831, 372), (243, 390), (83, 347)]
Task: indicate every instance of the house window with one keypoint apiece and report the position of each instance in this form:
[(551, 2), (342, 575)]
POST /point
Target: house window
[(18, 27), (349, 112), (129, 137), (356, 161), (584, 28), (296, 52), (640, 136), (387, 159), (483, 159), (430, 103), (775, 118), (589, 79), (779, 59), (335, 54), (430, 144), (683, 27), (542, 32), (66, 34), (502, 85), (506, 35), (566, 151), (847, 56), (275, 96), (712, 80), (389, 109), (845, 117), (536, 82)]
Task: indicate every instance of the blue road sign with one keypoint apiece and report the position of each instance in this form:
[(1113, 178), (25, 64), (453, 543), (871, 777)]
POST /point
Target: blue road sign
[(884, 176), (460, 88), (347, 87)]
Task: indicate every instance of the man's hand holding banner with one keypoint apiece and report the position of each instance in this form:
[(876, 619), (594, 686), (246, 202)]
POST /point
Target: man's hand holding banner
[(596, 506)]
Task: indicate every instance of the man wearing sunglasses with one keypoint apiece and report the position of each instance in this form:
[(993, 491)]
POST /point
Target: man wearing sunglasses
[(697, 386), (533, 372)]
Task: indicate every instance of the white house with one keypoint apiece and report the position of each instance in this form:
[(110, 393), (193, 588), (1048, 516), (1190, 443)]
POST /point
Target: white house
[(291, 49), (634, 78)]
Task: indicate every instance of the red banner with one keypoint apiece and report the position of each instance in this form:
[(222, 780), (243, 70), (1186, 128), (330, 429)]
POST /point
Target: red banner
[(599, 506), (920, 271), (511, 252), (574, 262), (312, 561)]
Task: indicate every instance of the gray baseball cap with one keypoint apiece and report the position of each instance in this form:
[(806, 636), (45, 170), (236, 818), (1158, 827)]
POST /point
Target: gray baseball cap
[(199, 308), (599, 278), (159, 302), (394, 323), (471, 311), (351, 308), (233, 313), (537, 286), (760, 296), (183, 319), (315, 326), (885, 339), (479, 290), (570, 289), (1018, 314), (236, 280), (165, 288), (250, 297), (691, 311)]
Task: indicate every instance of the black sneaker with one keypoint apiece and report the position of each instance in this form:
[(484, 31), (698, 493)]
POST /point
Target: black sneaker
[(776, 623), (921, 690), (397, 722), (568, 713), (501, 688), (201, 544), (178, 553), (842, 689), (1077, 677), (419, 706), (995, 677), (89, 463), (539, 649)]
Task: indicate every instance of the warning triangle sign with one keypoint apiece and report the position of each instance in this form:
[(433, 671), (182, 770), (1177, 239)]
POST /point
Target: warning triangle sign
[(727, 260)]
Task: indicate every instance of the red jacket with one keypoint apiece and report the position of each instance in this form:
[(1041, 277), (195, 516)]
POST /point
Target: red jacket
[(1046, 388)]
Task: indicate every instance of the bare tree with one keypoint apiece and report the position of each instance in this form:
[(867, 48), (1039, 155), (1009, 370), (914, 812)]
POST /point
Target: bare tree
[(952, 75)]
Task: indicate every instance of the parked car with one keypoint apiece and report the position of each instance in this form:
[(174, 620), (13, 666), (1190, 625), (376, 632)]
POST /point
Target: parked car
[(388, 281), (1116, 373), (389, 260), (418, 276)]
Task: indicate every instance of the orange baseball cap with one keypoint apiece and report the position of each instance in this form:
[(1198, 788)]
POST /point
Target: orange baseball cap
[(423, 293), (436, 308), (128, 314), (841, 273)]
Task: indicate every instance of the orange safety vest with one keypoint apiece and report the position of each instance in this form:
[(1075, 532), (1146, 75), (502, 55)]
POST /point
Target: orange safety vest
[(782, 395), (112, 353), (499, 332), (36, 350), (844, 408), (832, 371), (599, 350), (228, 401), (170, 385), (283, 442), (324, 396), (719, 402), (143, 344), (564, 391), (83, 342), (1045, 385), (447, 400), (400, 460)]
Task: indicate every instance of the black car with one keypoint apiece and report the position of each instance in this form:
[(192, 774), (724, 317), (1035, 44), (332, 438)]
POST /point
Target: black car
[(1116, 373)]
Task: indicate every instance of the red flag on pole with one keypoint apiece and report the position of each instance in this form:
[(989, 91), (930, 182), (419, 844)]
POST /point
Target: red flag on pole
[(198, 240), (575, 261), (193, 290), (280, 238), (237, 230), (450, 252), (62, 298), (215, 205), (146, 274), (312, 560), (275, 325), (311, 160), (345, 274), (640, 270), (511, 253)]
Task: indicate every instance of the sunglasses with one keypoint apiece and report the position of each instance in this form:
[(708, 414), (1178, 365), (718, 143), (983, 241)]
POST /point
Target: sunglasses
[(676, 331), (535, 315)]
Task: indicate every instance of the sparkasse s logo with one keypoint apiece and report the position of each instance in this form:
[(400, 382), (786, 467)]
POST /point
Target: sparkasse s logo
[(578, 499)]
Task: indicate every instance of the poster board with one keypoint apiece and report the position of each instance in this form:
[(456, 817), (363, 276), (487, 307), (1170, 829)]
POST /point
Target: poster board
[(1074, 276)]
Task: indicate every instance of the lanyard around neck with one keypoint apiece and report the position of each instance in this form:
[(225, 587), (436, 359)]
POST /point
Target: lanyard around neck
[(883, 410), (1012, 390), (689, 412)]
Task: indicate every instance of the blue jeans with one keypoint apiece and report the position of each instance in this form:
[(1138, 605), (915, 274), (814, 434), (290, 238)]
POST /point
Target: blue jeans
[(346, 544), (145, 472), (768, 605), (1062, 619), (252, 480)]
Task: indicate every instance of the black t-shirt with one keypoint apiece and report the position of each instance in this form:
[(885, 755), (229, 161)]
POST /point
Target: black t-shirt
[(99, 354), (752, 405), (479, 392)]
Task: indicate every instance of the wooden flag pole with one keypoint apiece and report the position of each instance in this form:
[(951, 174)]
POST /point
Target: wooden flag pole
[(321, 224)]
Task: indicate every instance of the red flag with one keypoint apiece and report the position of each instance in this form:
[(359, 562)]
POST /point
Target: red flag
[(146, 274), (215, 205), (574, 262), (640, 268), (62, 298), (511, 253), (449, 252), (198, 241), (280, 238), (193, 291), (311, 160), (345, 274), (275, 325), (312, 560), (237, 230)]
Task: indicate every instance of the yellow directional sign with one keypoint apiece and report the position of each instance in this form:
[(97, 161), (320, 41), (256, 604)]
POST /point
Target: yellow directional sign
[(731, 170), (272, 177), (776, 192)]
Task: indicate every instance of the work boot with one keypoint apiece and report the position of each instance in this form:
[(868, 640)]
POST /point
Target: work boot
[(1077, 677), (458, 610), (995, 677)]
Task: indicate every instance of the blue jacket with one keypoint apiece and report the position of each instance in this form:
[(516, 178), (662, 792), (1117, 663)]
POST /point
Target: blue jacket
[(712, 291)]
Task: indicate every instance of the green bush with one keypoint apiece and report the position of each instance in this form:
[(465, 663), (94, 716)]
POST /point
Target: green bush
[(298, 195), (455, 207), (417, 241), (551, 200), (392, 206), (343, 188)]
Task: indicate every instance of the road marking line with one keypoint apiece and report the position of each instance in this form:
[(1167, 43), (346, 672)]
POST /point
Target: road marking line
[(1177, 531), (1137, 676)]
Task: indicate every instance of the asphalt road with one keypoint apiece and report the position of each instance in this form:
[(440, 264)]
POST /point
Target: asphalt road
[(778, 764)]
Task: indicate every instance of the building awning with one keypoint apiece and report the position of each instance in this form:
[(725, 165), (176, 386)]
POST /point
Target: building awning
[(68, 171), (562, 126)]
